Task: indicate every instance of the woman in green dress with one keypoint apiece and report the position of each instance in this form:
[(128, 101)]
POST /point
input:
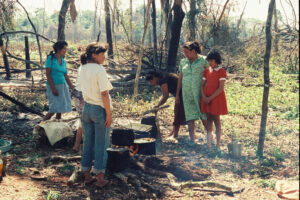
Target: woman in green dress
[(190, 78)]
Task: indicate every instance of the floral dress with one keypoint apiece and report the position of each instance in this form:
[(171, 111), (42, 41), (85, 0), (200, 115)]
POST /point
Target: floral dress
[(191, 81)]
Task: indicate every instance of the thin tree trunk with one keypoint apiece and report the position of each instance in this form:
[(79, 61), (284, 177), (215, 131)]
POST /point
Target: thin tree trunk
[(168, 23), (62, 20), (192, 20), (44, 11), (154, 34), (264, 115), (99, 23), (27, 57), (115, 25), (216, 25), (167, 16), (108, 30), (130, 22), (5, 60), (36, 35), (241, 16), (176, 29), (141, 52), (95, 20), (276, 38)]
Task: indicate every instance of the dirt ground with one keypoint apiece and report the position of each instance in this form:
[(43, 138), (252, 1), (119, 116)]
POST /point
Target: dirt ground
[(255, 178), (24, 159)]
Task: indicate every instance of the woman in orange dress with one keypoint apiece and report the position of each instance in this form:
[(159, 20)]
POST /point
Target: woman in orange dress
[(213, 101)]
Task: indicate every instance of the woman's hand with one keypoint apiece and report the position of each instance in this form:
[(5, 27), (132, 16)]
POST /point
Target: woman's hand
[(54, 92), (108, 121), (177, 100), (206, 99)]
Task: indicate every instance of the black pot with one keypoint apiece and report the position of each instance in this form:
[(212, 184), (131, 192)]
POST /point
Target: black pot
[(146, 146), (150, 120), (117, 159), (141, 134), (122, 137)]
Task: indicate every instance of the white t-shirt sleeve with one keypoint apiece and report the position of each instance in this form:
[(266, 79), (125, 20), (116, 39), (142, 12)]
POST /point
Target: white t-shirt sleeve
[(103, 82)]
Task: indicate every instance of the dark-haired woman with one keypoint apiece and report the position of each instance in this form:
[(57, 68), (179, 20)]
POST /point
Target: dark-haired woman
[(168, 84), (96, 115), (190, 77), (58, 82)]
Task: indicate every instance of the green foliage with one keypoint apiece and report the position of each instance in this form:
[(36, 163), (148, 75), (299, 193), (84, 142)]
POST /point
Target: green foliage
[(34, 156), (277, 154), (246, 98), (20, 170), (67, 168), (266, 162), (266, 183), (2, 142), (53, 195)]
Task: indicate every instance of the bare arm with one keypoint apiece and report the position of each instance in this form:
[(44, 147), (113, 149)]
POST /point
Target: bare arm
[(179, 83), (202, 88), (218, 91), (49, 79), (106, 103), (69, 81), (165, 91)]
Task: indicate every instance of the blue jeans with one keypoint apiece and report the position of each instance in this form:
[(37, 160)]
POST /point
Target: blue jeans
[(96, 138)]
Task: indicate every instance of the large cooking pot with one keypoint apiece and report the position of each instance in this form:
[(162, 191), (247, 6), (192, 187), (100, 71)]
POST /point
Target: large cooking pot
[(150, 120), (122, 137), (141, 134), (117, 159), (146, 146)]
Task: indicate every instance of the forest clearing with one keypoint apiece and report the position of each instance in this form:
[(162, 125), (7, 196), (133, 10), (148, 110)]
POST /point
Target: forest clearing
[(261, 59)]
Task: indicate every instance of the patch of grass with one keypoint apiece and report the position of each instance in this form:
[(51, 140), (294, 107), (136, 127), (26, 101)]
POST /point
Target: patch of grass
[(277, 154), (67, 168), (20, 170), (246, 99), (53, 195), (267, 162), (34, 156), (266, 183)]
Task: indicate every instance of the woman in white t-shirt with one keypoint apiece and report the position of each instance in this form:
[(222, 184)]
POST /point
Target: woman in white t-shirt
[(96, 115)]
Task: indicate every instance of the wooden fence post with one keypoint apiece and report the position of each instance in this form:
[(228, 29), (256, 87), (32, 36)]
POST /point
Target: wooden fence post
[(27, 58), (5, 60)]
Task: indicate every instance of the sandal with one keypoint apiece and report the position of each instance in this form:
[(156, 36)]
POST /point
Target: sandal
[(90, 181), (102, 186)]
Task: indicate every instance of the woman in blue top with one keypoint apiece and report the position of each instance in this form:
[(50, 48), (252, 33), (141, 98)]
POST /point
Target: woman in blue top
[(57, 89)]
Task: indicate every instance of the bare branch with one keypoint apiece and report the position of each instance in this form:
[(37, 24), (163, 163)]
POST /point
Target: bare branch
[(33, 27), (25, 32), (241, 16), (294, 13), (222, 13)]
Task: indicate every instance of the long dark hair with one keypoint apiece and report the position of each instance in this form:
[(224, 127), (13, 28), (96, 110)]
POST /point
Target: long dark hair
[(95, 48), (56, 47), (193, 46)]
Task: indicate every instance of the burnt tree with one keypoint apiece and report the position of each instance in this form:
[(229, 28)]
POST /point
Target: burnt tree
[(165, 7), (192, 21), (130, 22), (62, 20), (27, 57), (264, 115), (108, 30), (175, 35), (5, 60), (153, 15)]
